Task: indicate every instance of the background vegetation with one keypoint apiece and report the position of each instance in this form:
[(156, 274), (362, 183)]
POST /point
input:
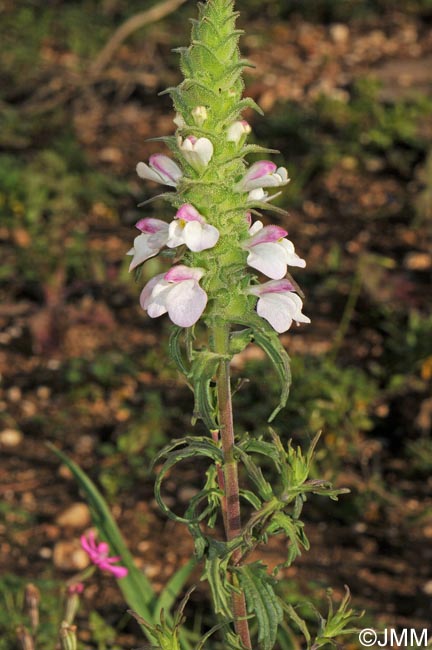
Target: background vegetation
[(347, 89)]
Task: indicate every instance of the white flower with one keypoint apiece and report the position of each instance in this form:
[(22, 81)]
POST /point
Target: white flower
[(199, 115), (154, 236), (270, 252), (160, 169), (238, 130), (198, 152), (176, 292), (279, 305), (190, 228), (263, 173)]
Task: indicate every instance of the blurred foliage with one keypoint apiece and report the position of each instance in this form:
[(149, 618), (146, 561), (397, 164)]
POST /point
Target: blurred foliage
[(327, 11), (12, 610), (356, 130)]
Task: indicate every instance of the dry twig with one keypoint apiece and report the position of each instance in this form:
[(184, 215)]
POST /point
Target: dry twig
[(128, 27)]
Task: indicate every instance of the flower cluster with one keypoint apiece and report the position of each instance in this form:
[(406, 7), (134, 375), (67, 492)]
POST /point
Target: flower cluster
[(216, 192)]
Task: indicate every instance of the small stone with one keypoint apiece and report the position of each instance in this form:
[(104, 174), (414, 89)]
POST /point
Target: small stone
[(10, 438), (43, 392), (69, 556), (14, 394), (186, 493), (76, 516), (427, 588), (418, 261), (65, 472), (339, 33), (45, 552)]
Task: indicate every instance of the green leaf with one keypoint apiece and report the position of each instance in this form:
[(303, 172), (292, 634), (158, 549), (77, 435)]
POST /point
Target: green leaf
[(172, 589), (175, 350), (216, 574), (135, 587), (268, 340), (255, 474), (294, 530), (192, 447), (261, 601), (202, 373)]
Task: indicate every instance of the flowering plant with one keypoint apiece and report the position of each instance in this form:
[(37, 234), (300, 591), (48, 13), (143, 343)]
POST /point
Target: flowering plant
[(218, 302)]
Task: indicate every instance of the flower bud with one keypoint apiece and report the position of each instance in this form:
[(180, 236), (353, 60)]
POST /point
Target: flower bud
[(68, 639), (199, 115), (238, 130)]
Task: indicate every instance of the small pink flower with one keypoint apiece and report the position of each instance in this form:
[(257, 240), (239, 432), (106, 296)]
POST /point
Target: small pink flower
[(198, 152), (279, 305), (190, 228), (263, 173), (238, 130), (154, 236), (160, 169), (98, 554), (270, 252), (177, 292)]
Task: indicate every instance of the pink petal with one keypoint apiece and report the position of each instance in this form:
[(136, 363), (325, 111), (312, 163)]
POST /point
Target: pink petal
[(188, 213), (186, 302), (166, 167), (151, 226), (180, 272), (274, 286), (259, 169), (266, 235)]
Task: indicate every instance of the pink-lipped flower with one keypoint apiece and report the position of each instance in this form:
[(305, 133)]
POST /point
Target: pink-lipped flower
[(270, 252), (190, 227), (161, 169), (197, 151), (177, 292), (278, 304), (263, 173), (153, 237), (99, 555)]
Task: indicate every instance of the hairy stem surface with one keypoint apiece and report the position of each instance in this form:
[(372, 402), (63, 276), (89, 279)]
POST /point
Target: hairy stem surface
[(232, 517)]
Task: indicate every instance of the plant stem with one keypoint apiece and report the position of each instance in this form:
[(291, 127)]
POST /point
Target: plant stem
[(230, 486)]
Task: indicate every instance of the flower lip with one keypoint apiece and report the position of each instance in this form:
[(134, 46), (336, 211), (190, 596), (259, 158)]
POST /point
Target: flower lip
[(150, 226), (279, 304), (274, 286), (260, 169), (156, 161), (266, 235), (181, 272), (187, 212)]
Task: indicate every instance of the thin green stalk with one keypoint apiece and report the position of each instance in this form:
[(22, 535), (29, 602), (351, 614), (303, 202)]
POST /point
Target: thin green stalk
[(232, 519)]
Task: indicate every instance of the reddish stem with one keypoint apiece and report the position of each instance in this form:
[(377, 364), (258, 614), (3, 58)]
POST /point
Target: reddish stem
[(232, 517)]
